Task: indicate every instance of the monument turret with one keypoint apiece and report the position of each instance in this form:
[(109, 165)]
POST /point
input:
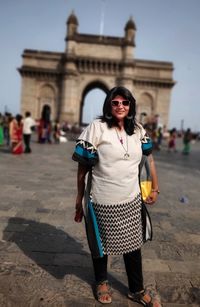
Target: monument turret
[(130, 30), (72, 25)]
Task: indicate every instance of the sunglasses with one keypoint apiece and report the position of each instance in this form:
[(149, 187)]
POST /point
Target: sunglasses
[(116, 103)]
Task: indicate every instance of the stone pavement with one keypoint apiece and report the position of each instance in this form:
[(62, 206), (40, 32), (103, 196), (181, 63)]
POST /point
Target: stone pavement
[(44, 257)]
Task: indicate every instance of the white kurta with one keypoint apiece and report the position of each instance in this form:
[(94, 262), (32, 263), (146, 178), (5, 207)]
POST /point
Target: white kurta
[(114, 179), (115, 188)]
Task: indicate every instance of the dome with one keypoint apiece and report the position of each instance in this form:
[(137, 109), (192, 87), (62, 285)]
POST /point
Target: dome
[(130, 24), (72, 19)]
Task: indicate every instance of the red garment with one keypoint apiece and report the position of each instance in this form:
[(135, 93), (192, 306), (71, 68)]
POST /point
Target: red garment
[(44, 130), (171, 143), (16, 138)]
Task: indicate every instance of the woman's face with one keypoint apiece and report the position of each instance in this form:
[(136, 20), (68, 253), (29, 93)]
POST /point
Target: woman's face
[(120, 107)]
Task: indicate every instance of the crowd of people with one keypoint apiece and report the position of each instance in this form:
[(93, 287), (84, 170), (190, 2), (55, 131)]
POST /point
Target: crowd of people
[(162, 137), (16, 131)]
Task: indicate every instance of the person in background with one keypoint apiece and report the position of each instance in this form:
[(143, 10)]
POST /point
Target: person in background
[(28, 126), (6, 124), (187, 137), (172, 140), (1, 129), (44, 128), (16, 133), (111, 149), (56, 132), (159, 138)]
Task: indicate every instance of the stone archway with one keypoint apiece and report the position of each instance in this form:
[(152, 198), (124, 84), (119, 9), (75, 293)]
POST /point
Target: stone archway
[(68, 76), (88, 88)]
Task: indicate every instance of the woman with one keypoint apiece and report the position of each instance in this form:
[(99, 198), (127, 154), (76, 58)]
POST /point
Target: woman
[(16, 133), (44, 127), (1, 129), (186, 142), (112, 146), (172, 140), (56, 132)]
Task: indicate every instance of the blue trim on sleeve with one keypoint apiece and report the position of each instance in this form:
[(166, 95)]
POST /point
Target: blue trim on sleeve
[(84, 152), (97, 235), (146, 146)]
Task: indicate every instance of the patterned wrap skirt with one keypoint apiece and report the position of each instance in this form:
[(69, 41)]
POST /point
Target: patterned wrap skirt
[(120, 226)]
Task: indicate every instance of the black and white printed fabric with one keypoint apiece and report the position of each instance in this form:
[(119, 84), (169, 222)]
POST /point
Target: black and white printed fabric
[(120, 226)]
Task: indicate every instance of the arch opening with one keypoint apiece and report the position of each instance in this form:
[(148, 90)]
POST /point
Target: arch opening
[(92, 102)]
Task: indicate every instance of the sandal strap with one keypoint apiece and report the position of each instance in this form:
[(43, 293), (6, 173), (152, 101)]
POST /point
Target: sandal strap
[(155, 298), (103, 292), (139, 297), (147, 298)]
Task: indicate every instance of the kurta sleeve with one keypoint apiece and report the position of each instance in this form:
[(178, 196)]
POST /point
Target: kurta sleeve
[(86, 146), (147, 145)]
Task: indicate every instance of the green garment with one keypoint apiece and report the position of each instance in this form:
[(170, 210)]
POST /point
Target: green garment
[(1, 135), (186, 148)]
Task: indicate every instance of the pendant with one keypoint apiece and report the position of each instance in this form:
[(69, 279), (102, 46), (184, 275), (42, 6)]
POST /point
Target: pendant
[(126, 156)]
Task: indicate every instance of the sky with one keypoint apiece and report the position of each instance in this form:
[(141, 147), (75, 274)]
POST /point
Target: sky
[(166, 31)]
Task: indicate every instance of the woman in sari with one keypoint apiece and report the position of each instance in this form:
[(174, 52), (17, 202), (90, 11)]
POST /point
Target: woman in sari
[(1, 129), (44, 128), (187, 141), (16, 134)]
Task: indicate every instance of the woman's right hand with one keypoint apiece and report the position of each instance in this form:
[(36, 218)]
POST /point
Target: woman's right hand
[(79, 211)]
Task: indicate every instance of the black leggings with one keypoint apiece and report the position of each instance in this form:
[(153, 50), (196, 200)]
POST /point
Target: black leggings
[(133, 265)]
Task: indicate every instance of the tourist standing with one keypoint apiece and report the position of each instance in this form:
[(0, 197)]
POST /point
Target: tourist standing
[(172, 140), (111, 149), (187, 137), (44, 128), (56, 132), (16, 133), (1, 129), (28, 126)]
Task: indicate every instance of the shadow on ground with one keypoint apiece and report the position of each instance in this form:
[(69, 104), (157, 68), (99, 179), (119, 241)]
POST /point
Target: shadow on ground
[(53, 250)]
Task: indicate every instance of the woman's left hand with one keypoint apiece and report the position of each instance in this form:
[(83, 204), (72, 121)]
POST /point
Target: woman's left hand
[(152, 198)]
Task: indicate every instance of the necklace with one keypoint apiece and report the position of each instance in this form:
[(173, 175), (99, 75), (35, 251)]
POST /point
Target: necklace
[(126, 155)]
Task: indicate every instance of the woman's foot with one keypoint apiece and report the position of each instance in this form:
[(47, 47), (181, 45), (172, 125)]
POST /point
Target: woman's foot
[(103, 292), (146, 298)]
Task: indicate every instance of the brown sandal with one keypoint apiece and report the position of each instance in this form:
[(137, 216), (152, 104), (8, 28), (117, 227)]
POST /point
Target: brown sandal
[(146, 298), (104, 296)]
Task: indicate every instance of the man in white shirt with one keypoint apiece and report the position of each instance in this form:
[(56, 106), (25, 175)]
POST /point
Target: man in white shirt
[(28, 125)]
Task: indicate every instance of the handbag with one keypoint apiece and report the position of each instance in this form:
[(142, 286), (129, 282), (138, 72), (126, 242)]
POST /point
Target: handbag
[(146, 224), (145, 178), (145, 187)]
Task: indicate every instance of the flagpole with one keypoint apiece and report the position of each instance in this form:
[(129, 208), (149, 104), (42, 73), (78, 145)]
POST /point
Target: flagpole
[(102, 17)]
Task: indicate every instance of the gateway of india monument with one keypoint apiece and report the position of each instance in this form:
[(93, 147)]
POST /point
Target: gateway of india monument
[(63, 79)]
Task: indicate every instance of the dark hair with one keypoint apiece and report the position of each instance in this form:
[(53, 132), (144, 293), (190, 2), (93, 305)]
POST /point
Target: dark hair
[(18, 118), (27, 114), (129, 121)]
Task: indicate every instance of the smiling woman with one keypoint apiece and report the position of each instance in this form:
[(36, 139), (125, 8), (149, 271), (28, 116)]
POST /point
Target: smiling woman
[(110, 150), (120, 109)]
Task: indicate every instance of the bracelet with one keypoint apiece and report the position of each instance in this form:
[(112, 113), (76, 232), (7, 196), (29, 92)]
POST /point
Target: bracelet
[(155, 190)]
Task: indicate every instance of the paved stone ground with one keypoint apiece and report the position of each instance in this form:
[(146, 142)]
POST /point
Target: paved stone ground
[(44, 258)]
